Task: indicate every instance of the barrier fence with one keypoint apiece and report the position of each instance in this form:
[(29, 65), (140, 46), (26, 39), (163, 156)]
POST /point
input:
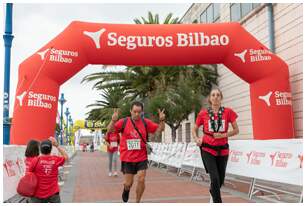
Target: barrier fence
[(279, 161)]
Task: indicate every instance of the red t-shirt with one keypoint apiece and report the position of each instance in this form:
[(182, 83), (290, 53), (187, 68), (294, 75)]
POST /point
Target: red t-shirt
[(132, 147), (47, 174), (228, 116), (113, 138), (27, 162)]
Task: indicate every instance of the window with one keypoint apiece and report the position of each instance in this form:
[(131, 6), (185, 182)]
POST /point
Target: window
[(188, 132), (180, 136), (203, 17), (235, 12), (238, 11), (211, 14), (245, 9), (216, 11), (255, 5)]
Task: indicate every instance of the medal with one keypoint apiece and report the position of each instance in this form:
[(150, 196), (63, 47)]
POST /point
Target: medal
[(212, 118)]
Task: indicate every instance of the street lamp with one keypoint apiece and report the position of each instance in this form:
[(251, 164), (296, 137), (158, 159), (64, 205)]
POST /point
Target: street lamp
[(70, 120), (67, 114), (8, 38), (61, 101), (71, 127)]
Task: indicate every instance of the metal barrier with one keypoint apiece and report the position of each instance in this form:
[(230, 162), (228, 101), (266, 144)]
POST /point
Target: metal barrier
[(257, 187), (196, 172)]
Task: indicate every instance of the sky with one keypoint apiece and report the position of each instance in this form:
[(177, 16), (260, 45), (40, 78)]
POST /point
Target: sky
[(34, 25)]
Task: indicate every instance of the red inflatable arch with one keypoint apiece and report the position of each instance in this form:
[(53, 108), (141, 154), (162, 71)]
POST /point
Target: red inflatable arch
[(81, 43)]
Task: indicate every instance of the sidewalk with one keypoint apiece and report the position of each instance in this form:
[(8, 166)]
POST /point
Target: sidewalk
[(88, 181)]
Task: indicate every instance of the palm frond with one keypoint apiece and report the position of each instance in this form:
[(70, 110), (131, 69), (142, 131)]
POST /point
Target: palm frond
[(144, 20), (167, 19), (156, 20), (137, 21), (150, 18)]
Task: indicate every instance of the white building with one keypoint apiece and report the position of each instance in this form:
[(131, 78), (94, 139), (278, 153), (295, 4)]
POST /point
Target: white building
[(287, 20)]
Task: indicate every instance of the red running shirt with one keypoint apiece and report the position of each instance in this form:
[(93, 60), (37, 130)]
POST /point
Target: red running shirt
[(47, 174), (113, 138), (228, 116), (28, 162), (132, 147)]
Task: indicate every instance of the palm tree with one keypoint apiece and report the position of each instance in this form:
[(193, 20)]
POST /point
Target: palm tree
[(155, 20), (179, 101), (137, 82), (111, 98), (159, 85)]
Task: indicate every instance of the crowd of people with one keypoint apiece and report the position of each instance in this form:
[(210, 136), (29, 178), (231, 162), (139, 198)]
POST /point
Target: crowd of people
[(130, 136), (85, 146)]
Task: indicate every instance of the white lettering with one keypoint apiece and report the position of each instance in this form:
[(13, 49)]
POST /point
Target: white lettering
[(283, 98), (195, 39), (224, 40), (121, 41), (142, 42), (204, 39), (259, 55), (151, 39), (131, 42), (182, 40), (39, 103), (214, 40), (31, 94), (40, 100), (282, 94), (112, 39), (160, 41), (57, 55), (190, 39), (59, 58), (169, 42)]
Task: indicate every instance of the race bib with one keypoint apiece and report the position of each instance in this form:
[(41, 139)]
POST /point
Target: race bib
[(114, 144), (133, 144)]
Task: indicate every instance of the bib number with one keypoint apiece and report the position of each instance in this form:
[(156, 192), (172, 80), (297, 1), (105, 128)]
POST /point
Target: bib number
[(133, 144), (113, 144)]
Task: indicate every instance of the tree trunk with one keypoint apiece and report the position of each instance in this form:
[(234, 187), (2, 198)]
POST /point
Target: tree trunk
[(173, 133)]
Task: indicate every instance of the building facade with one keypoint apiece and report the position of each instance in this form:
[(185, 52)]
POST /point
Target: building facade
[(287, 20)]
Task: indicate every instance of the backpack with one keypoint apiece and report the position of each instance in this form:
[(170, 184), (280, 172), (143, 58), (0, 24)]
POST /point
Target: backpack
[(28, 183)]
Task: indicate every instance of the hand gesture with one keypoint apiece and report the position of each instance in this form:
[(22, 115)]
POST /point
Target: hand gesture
[(161, 115), (53, 141), (115, 116)]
